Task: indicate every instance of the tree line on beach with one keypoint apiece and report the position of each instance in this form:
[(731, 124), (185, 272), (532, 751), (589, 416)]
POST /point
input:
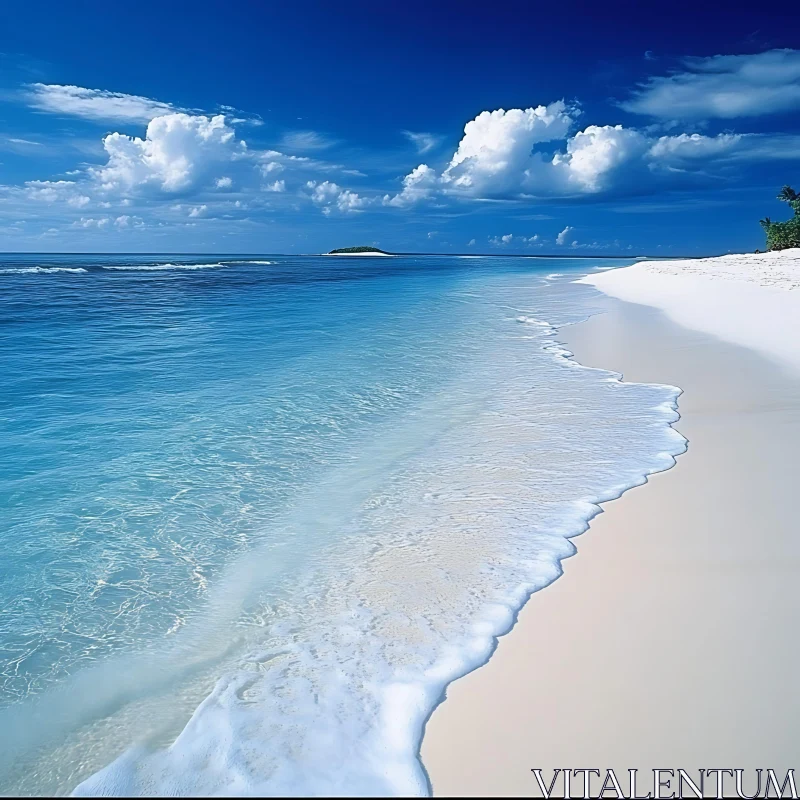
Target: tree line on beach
[(782, 235)]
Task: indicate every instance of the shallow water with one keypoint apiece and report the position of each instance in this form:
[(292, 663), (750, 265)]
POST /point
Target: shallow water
[(258, 512)]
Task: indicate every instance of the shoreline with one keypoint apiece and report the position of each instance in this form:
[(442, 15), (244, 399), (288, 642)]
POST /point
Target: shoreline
[(748, 299), (527, 708)]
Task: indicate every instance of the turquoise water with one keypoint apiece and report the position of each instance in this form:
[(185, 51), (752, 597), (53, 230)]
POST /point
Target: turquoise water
[(257, 512)]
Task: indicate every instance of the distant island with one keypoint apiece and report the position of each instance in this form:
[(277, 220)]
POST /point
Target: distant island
[(358, 251)]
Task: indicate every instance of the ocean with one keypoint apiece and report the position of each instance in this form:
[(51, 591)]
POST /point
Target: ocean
[(258, 511)]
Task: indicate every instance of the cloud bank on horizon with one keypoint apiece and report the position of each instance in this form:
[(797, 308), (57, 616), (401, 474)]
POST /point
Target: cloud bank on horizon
[(190, 165)]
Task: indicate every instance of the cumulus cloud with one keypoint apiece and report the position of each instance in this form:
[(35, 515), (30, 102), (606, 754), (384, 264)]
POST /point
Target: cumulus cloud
[(496, 149), (330, 196), (56, 192), (89, 222), (509, 154), (510, 238), (191, 157), (564, 235), (350, 201), (271, 166), (94, 104), (177, 152), (593, 158), (422, 141), (516, 154), (722, 86), (498, 158), (127, 221), (417, 185)]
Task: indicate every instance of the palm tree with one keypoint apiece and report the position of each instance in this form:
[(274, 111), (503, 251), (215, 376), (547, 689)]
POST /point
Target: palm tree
[(788, 195)]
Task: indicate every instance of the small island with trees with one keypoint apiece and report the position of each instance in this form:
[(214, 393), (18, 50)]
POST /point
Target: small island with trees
[(358, 251), (783, 235)]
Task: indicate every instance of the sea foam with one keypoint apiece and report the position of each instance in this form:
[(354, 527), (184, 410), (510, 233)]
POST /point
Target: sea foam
[(456, 527), (297, 522), (40, 270), (155, 267)]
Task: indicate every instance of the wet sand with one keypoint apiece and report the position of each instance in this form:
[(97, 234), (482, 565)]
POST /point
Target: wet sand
[(671, 639)]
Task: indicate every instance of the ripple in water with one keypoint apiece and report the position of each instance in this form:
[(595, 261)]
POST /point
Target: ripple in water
[(261, 518)]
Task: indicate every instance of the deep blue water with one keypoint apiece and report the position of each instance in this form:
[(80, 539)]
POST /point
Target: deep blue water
[(304, 492)]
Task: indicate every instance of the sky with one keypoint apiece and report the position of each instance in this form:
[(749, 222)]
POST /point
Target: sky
[(510, 127)]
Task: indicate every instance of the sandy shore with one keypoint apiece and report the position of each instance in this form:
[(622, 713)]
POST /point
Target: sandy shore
[(671, 640), (751, 299), (360, 255)]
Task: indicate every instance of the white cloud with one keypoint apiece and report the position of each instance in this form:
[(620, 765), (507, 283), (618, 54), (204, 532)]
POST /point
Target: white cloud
[(593, 155), (16, 144), (496, 151), (564, 235), (499, 158), (685, 148), (273, 161), (85, 222), (502, 240), (422, 141), (94, 104), (178, 150), (306, 140), (56, 192), (510, 238), (329, 196), (723, 86), (48, 191), (270, 166), (417, 185), (471, 243), (695, 145), (127, 221), (515, 154), (350, 201)]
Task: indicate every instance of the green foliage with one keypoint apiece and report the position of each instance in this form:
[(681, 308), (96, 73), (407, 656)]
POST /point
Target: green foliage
[(355, 250), (783, 235)]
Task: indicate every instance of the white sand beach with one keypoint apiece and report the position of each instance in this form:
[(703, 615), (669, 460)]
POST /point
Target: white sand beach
[(669, 642), (747, 299), (360, 255)]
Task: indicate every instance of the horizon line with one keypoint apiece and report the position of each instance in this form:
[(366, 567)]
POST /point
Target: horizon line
[(266, 253)]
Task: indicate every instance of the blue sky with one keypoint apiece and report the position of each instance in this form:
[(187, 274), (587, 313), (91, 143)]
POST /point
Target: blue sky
[(514, 127)]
